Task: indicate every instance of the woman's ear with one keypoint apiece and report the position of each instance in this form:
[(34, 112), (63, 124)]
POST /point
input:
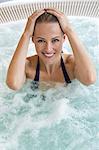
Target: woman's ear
[(33, 39), (64, 37)]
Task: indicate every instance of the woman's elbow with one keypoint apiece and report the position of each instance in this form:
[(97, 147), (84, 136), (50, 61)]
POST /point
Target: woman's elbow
[(13, 85), (90, 80)]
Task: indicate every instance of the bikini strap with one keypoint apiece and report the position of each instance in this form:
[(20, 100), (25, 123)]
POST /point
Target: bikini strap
[(37, 71), (66, 77)]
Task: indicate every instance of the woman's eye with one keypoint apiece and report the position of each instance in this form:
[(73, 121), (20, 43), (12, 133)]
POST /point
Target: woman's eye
[(55, 40), (40, 41)]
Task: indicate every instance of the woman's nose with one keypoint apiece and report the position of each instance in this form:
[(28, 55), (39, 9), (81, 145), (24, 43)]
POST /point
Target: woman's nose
[(49, 47)]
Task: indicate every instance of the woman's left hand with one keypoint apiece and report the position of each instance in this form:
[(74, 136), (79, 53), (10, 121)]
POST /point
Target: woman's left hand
[(64, 23)]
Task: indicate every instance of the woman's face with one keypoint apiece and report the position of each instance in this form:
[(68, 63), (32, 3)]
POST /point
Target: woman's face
[(48, 39)]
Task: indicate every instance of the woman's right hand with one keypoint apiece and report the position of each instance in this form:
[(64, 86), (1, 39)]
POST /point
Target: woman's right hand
[(29, 29)]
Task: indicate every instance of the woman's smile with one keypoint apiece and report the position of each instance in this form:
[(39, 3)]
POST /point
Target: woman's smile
[(48, 55)]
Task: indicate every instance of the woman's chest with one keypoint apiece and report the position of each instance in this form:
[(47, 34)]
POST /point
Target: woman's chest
[(57, 76)]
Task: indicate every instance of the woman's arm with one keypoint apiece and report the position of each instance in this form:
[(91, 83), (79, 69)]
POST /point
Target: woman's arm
[(16, 71), (84, 69), (16, 74)]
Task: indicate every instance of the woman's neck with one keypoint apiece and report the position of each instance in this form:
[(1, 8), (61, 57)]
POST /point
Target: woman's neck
[(51, 68)]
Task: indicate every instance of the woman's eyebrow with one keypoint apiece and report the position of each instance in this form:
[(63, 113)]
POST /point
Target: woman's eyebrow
[(52, 38), (39, 38), (56, 37)]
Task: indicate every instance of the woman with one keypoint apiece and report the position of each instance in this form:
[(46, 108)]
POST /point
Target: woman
[(48, 29)]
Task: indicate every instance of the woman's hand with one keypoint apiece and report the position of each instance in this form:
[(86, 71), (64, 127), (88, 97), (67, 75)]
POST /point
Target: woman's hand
[(29, 29), (64, 23)]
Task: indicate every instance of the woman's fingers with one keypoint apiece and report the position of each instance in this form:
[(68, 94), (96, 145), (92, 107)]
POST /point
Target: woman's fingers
[(61, 18), (54, 11), (31, 21), (37, 13)]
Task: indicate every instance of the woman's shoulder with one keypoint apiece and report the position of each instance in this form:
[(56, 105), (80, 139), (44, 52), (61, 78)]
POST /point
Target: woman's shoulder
[(69, 64), (30, 65), (32, 59), (68, 58)]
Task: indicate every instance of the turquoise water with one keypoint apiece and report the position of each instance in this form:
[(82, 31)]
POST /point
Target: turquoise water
[(53, 117)]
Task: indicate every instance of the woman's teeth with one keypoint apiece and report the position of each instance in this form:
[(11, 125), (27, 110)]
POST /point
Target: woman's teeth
[(48, 55)]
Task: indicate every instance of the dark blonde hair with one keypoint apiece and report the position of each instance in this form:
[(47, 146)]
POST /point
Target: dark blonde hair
[(48, 18)]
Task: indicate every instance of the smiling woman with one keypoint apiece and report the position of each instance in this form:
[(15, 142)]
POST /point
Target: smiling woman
[(48, 28), (53, 116)]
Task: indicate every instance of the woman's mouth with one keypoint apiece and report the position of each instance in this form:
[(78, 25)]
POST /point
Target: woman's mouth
[(48, 55)]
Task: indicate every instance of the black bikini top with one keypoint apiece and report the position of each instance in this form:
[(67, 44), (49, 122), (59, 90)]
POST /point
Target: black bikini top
[(66, 77)]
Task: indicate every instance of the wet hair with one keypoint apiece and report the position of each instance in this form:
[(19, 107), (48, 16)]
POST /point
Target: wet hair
[(48, 18)]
